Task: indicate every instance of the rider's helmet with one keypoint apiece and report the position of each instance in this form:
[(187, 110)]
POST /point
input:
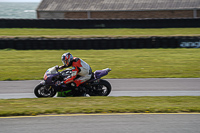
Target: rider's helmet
[(66, 58)]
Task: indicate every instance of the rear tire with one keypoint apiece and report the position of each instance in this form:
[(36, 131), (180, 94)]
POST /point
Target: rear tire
[(103, 89), (44, 91)]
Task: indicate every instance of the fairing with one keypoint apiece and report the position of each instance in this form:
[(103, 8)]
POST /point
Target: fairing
[(50, 73)]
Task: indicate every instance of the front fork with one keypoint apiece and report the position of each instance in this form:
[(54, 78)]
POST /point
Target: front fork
[(47, 87), (42, 82)]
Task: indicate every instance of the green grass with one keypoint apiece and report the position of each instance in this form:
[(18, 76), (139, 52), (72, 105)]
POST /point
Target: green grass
[(125, 63), (26, 32), (129, 63), (16, 107)]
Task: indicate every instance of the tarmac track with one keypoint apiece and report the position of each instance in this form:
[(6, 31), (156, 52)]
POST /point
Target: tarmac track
[(103, 123), (120, 87), (107, 123)]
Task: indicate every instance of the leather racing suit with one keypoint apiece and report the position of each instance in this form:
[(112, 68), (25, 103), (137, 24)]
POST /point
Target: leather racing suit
[(81, 72)]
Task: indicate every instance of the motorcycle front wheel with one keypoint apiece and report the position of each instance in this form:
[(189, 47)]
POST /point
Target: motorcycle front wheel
[(44, 91)]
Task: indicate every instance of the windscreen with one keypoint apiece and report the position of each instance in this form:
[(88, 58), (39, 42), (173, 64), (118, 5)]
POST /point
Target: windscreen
[(51, 70)]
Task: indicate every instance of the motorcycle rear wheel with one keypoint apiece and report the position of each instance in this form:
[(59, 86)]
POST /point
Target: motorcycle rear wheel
[(103, 89), (44, 91)]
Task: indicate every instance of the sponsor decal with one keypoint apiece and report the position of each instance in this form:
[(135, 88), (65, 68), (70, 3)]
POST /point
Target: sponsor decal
[(190, 44), (45, 76)]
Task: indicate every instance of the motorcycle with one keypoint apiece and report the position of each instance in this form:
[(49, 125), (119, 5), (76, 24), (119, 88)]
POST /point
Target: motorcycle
[(93, 87)]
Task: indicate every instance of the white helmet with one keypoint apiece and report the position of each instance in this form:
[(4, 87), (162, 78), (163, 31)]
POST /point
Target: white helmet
[(66, 59)]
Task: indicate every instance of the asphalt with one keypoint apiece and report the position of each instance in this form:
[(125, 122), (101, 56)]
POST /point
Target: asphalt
[(109, 123), (120, 87)]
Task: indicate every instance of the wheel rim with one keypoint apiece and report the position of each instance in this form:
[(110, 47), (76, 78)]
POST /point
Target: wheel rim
[(104, 90), (46, 92)]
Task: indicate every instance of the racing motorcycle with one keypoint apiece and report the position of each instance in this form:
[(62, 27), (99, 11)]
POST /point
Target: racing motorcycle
[(93, 87)]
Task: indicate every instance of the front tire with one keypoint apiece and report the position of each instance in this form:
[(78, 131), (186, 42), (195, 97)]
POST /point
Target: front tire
[(42, 90)]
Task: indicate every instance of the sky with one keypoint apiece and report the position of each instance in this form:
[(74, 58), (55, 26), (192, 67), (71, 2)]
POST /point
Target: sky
[(20, 0)]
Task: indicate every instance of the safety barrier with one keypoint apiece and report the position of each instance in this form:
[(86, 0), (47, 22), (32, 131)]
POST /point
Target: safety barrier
[(99, 23), (99, 43)]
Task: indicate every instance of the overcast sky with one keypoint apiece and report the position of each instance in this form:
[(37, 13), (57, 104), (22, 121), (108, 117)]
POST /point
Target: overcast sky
[(20, 0)]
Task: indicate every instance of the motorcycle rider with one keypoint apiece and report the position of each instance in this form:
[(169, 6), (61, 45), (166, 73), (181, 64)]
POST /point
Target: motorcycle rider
[(81, 71)]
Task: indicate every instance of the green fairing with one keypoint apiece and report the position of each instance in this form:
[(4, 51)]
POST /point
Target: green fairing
[(63, 93)]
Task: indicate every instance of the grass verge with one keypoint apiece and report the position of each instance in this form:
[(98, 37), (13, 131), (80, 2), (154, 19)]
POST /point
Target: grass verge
[(70, 105), (125, 63), (80, 33)]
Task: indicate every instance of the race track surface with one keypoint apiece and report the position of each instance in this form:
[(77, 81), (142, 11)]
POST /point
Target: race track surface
[(110, 123), (107, 123), (120, 87)]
